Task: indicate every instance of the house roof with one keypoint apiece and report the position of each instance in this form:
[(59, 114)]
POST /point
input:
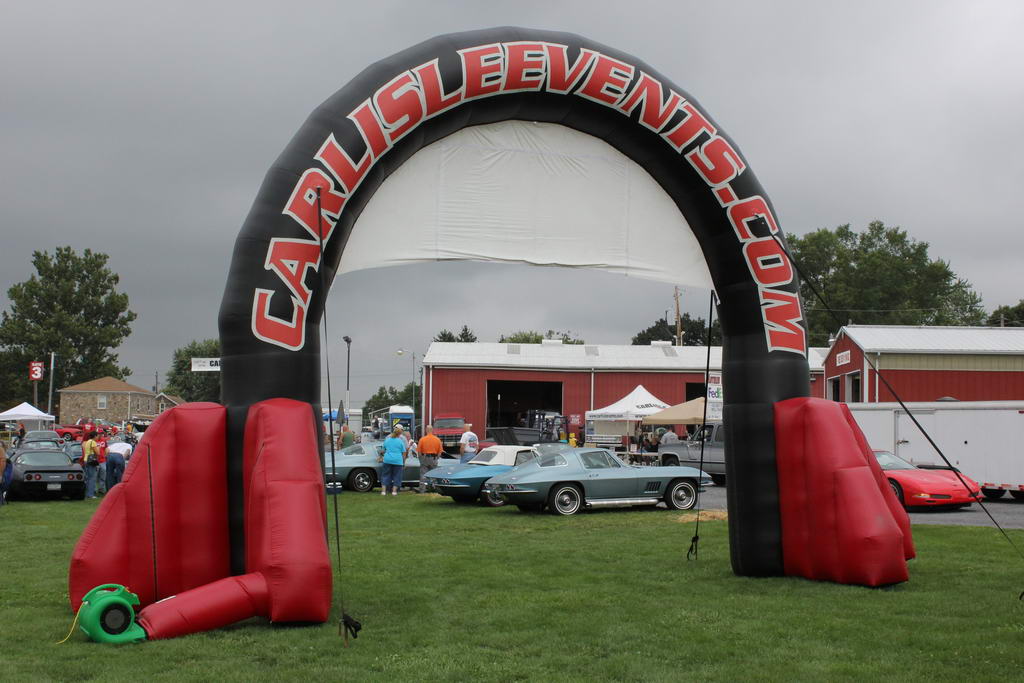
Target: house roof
[(556, 356), (936, 339), (176, 400), (108, 385)]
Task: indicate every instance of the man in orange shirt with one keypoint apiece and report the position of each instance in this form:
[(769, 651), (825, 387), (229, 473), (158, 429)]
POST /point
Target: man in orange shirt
[(429, 449)]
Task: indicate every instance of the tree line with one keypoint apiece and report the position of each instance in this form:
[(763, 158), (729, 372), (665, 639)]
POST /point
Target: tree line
[(71, 306)]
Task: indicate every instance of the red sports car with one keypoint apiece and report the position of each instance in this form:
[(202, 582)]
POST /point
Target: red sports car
[(916, 487)]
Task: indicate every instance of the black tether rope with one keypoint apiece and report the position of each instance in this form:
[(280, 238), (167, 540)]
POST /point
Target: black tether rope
[(691, 554), (152, 517), (347, 625), (879, 375)]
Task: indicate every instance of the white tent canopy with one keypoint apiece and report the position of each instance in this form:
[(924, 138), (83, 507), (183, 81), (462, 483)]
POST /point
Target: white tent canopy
[(25, 411), (636, 405)]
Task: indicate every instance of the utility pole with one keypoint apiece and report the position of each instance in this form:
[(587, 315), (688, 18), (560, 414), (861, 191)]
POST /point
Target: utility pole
[(49, 398), (156, 381), (679, 322)]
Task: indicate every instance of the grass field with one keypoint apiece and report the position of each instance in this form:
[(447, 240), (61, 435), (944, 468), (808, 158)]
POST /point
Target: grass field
[(455, 592)]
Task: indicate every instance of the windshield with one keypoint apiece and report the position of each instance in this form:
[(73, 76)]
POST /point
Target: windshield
[(888, 461), (485, 456), (552, 448), (46, 434), (449, 423), (356, 449), (45, 458), (39, 446), (73, 449)]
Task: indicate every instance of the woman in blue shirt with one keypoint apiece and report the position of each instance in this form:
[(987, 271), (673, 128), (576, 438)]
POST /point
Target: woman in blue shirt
[(394, 460)]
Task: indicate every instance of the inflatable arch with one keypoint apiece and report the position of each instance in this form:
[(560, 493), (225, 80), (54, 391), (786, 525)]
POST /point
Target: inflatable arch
[(806, 497)]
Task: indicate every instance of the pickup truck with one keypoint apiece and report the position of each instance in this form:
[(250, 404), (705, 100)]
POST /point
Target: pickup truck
[(449, 427), (688, 452)]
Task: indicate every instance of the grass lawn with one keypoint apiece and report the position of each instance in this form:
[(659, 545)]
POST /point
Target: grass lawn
[(447, 591)]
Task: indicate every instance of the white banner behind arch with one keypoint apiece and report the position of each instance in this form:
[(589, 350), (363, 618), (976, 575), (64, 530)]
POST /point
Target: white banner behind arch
[(523, 192)]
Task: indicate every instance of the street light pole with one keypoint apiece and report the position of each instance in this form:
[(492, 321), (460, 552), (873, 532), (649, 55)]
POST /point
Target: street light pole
[(348, 376)]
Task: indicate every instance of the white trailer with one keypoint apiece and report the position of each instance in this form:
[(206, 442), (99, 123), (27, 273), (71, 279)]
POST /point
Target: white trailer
[(982, 439)]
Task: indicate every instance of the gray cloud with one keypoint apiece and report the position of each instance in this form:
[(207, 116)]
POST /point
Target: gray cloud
[(144, 130)]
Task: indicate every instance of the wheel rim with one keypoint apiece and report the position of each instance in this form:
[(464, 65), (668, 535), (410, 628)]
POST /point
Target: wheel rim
[(567, 500), (494, 500), (683, 496), (362, 482)]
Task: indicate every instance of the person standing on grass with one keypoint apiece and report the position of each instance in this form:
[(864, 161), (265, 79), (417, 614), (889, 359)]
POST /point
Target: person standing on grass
[(91, 458), (393, 462), (429, 449), (4, 477), (101, 454), (468, 443)]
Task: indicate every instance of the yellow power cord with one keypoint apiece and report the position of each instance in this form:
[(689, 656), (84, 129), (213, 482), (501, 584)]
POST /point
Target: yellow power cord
[(73, 624)]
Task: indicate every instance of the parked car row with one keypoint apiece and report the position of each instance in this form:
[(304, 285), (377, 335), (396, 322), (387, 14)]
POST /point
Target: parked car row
[(555, 477), (40, 466)]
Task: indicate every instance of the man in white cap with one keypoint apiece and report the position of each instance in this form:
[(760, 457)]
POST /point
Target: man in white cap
[(468, 443)]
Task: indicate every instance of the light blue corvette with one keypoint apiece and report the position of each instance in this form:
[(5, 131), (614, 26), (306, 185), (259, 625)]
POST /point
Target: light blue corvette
[(357, 468), (580, 478), (463, 482)]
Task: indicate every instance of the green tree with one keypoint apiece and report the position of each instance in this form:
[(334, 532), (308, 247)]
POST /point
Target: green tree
[(880, 276), (1009, 316), (389, 396), (194, 386), (464, 335), (69, 306), (694, 332), (534, 337)]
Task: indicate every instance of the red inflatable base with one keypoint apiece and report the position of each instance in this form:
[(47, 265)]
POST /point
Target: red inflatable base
[(840, 520), (163, 532)]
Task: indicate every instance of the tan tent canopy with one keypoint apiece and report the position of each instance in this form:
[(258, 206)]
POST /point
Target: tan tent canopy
[(689, 413)]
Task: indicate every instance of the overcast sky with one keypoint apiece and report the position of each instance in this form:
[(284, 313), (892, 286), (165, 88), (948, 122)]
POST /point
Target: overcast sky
[(144, 130)]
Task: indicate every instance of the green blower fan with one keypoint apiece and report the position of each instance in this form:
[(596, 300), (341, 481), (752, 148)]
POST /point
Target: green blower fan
[(108, 615)]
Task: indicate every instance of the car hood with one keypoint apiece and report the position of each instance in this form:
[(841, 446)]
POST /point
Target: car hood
[(940, 480)]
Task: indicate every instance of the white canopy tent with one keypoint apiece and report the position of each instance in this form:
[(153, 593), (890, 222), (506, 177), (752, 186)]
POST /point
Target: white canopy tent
[(26, 412), (606, 426), (634, 406)]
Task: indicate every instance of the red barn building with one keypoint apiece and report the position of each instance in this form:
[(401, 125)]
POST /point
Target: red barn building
[(926, 363), (491, 384)]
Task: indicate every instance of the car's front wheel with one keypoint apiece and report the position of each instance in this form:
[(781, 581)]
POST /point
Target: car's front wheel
[(897, 491), (492, 499), (361, 480), (565, 499), (681, 495), (1017, 495)]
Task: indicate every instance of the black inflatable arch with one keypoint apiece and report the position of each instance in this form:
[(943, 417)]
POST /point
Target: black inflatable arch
[(273, 300)]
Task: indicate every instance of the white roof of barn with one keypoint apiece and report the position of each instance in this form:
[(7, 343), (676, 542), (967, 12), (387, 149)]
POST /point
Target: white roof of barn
[(937, 339), (556, 356)]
